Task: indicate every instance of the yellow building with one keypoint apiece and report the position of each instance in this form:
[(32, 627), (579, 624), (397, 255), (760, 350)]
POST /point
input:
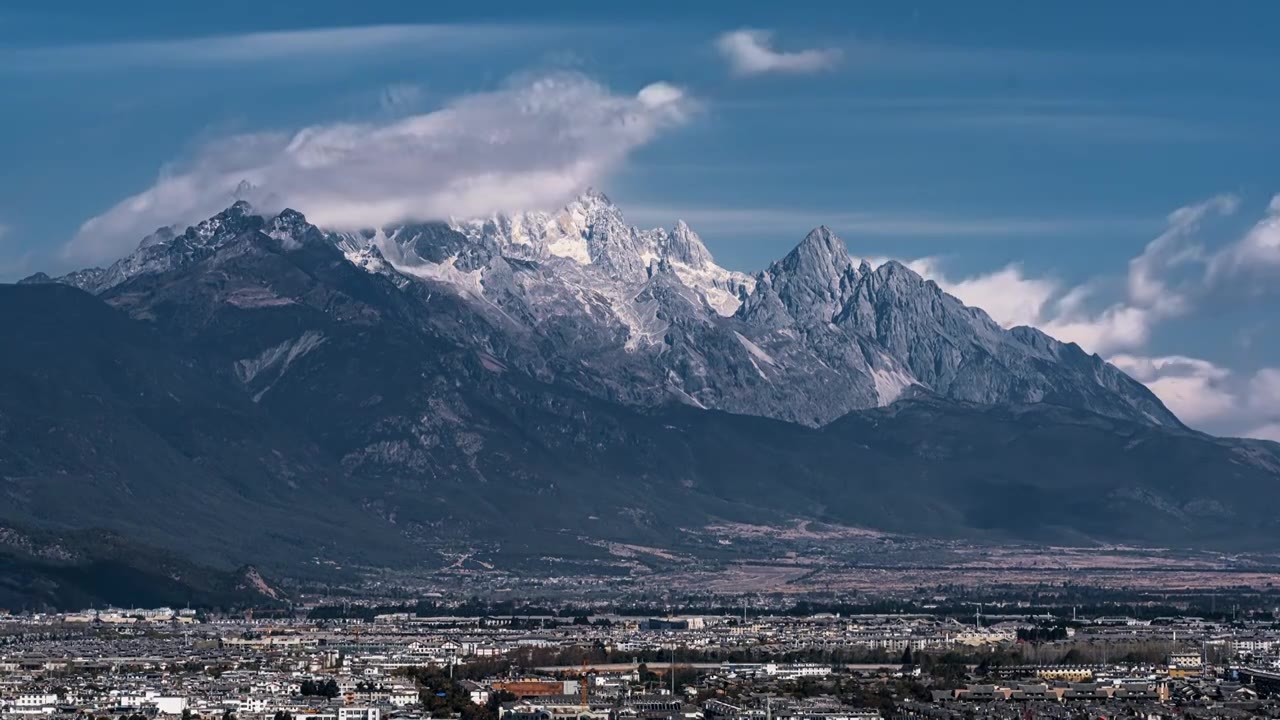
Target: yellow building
[(1066, 673)]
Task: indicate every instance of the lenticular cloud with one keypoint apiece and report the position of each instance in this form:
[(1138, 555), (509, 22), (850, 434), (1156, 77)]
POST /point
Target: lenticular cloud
[(533, 144)]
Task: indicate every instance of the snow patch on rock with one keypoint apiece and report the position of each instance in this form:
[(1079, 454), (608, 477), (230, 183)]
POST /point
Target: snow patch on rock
[(890, 384), (755, 350), (278, 357)]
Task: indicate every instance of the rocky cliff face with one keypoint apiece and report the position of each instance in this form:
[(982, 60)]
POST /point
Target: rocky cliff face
[(646, 317)]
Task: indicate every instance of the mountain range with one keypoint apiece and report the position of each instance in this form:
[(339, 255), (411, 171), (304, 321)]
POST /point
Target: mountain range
[(256, 388)]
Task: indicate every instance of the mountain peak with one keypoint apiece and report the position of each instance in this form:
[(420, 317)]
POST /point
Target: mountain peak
[(684, 245), (39, 278), (821, 257), (894, 270), (826, 333), (159, 237), (823, 234), (291, 228), (812, 282), (236, 219), (821, 252), (288, 221), (593, 197)]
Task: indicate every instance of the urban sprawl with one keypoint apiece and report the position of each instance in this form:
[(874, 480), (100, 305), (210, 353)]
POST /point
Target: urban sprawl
[(312, 665)]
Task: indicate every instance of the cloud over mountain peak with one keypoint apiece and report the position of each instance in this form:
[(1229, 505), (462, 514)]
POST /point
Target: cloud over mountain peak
[(531, 144)]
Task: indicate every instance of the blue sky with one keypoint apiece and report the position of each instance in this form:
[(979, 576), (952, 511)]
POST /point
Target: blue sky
[(1028, 156)]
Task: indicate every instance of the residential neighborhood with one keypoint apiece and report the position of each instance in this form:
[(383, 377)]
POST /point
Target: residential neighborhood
[(160, 663)]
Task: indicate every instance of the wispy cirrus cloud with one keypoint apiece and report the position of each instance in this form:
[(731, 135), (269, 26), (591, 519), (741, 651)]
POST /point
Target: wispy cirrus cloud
[(532, 144), (1015, 117), (275, 46), (751, 52), (1109, 125), (904, 224)]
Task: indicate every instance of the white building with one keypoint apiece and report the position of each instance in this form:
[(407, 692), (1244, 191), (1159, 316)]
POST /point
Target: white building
[(358, 713), (29, 701), (985, 636), (403, 698), (1252, 646), (170, 705), (796, 671)]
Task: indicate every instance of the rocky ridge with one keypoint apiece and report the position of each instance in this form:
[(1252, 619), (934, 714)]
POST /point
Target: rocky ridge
[(646, 317)]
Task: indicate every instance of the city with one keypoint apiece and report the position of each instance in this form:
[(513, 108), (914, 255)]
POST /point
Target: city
[(366, 660)]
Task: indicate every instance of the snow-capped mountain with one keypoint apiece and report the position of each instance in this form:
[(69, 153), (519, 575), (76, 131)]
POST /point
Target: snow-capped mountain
[(646, 317), (166, 249), (439, 380), (591, 232)]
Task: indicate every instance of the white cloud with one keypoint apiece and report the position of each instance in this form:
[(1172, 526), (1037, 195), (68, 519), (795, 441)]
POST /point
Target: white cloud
[(1195, 390), (311, 44), (1164, 282), (1175, 247), (660, 94), (1117, 327), (1152, 293), (750, 52), (1264, 391), (533, 144), (1175, 272), (1255, 258), (1013, 298), (1203, 393), (1007, 295), (1172, 276)]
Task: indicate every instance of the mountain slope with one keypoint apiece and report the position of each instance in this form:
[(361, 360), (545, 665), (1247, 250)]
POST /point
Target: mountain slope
[(450, 447), (81, 569), (106, 423), (385, 397), (646, 317), (809, 339)]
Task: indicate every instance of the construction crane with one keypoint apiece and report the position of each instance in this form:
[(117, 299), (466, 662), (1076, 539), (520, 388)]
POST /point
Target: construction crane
[(977, 615), (582, 684)]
